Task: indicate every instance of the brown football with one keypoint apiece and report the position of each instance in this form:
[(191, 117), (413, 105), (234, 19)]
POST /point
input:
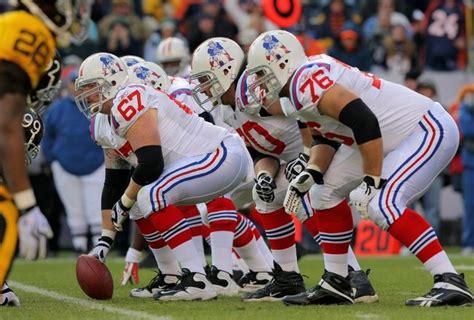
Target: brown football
[(94, 278)]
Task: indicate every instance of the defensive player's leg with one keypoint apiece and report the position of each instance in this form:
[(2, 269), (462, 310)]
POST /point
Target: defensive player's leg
[(8, 232), (410, 169)]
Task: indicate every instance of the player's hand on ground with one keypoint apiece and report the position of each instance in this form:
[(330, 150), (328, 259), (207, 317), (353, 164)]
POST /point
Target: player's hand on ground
[(101, 249), (130, 273), (264, 187), (361, 196), (34, 232)]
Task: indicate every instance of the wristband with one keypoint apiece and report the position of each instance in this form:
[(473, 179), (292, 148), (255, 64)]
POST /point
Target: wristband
[(314, 167), (263, 172), (126, 201), (24, 199)]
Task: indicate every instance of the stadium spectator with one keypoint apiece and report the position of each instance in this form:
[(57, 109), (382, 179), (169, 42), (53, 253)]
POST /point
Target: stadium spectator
[(378, 26), (445, 35), (77, 165), (400, 51), (466, 123), (411, 79), (121, 31), (210, 21), (248, 14), (348, 48), (332, 19)]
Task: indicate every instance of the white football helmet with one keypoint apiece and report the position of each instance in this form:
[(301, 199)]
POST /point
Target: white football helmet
[(273, 57), (101, 76), (131, 60), (173, 56), (149, 74), (216, 64)]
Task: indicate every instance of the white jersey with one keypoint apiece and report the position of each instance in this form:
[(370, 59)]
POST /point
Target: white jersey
[(277, 136), (103, 134), (182, 132), (397, 108), (182, 90)]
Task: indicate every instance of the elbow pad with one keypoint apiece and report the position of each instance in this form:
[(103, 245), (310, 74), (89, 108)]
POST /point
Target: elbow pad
[(363, 122), (150, 165)]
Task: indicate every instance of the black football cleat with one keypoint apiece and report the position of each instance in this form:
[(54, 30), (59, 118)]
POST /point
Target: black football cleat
[(253, 280), (332, 289), (449, 289), (282, 284), (191, 286), (158, 283), (362, 290)]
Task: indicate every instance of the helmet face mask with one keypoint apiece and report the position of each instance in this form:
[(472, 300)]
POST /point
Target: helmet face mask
[(48, 86), (101, 76), (33, 130), (208, 90), (89, 96), (265, 88)]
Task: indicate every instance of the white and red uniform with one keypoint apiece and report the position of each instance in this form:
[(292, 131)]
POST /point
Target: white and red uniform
[(277, 136), (201, 161), (419, 136)]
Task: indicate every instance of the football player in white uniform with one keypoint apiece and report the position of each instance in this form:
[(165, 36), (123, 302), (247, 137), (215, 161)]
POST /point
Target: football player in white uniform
[(220, 214), (379, 144), (181, 160), (274, 142), (172, 54)]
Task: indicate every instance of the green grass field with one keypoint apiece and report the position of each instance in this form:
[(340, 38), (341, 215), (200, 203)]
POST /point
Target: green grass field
[(48, 290)]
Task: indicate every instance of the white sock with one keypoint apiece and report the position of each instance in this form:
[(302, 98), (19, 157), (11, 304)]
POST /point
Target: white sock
[(186, 255), (221, 250), (197, 240), (239, 264), (286, 258), (166, 260), (265, 251), (252, 256), (352, 260), (439, 263), (336, 263)]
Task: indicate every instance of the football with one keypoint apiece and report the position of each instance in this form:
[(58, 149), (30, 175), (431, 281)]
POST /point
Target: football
[(94, 278)]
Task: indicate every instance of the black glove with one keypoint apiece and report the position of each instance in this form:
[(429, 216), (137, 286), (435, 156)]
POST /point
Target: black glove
[(296, 166), (264, 187)]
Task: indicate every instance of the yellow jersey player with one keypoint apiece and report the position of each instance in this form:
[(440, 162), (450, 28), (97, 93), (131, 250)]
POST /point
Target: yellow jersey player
[(27, 37)]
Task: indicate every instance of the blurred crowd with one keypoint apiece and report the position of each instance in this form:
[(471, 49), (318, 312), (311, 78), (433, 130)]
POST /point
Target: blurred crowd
[(401, 37)]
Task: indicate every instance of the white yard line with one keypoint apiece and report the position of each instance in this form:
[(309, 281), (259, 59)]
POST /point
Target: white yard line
[(85, 303)]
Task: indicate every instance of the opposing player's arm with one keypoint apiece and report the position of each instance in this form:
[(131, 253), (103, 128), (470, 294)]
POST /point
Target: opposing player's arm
[(14, 87), (341, 104)]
